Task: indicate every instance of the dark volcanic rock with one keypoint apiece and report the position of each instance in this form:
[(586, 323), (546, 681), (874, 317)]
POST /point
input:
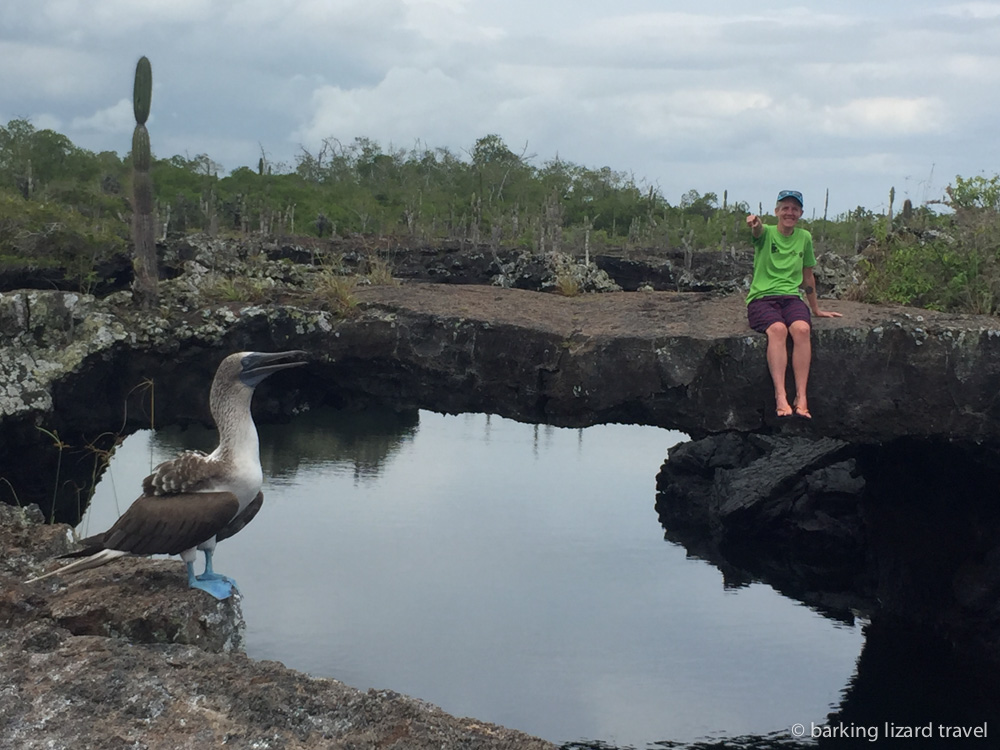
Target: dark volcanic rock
[(885, 530), (799, 498), (109, 275), (714, 271), (683, 361)]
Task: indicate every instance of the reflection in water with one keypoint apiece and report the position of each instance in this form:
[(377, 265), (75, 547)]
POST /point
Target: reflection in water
[(909, 677), (366, 440), (515, 573)]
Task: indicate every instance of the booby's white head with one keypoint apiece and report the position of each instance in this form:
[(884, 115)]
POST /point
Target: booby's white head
[(232, 389), (239, 374)]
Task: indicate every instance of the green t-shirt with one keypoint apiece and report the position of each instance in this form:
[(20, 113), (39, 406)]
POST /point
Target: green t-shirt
[(778, 262)]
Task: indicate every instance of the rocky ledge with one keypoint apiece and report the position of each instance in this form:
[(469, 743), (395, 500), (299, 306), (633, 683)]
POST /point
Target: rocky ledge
[(126, 656), (684, 361)]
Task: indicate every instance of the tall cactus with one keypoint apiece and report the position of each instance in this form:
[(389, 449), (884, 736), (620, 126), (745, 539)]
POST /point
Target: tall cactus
[(146, 275)]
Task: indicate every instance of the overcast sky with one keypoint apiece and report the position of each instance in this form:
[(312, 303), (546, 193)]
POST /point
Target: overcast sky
[(750, 97)]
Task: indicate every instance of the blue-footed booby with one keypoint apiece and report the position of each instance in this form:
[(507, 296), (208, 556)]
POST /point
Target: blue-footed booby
[(196, 500)]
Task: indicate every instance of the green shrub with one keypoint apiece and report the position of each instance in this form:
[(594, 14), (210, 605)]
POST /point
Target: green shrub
[(949, 262), (958, 271), (36, 235)]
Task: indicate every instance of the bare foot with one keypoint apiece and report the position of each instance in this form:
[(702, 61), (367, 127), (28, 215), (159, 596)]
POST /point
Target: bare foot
[(783, 409), (802, 411)]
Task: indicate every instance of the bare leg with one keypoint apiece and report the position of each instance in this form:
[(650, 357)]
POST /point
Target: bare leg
[(801, 358), (777, 364)]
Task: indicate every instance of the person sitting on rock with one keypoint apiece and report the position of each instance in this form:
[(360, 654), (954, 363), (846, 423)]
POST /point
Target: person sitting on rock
[(782, 267)]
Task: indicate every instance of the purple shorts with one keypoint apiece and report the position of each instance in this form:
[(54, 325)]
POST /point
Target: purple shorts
[(761, 313)]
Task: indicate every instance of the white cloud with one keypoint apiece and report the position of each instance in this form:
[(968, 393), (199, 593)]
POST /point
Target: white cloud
[(41, 71), (124, 14), (712, 104), (885, 117), (45, 121), (981, 69), (388, 110), (116, 119), (448, 22), (975, 11)]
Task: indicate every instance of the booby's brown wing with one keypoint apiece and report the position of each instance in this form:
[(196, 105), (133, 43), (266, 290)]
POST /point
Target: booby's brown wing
[(237, 524), (168, 525), (191, 471)]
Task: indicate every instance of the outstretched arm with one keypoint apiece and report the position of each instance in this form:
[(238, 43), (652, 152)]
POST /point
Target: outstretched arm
[(755, 224), (809, 287)]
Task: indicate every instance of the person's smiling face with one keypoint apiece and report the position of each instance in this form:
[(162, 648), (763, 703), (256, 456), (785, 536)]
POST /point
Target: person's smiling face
[(788, 212)]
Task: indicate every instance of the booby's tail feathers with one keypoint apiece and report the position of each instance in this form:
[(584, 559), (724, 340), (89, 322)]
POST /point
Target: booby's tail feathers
[(95, 560)]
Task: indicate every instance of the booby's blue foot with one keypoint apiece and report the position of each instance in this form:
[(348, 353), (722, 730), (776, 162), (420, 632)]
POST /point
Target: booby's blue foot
[(217, 585), (220, 589), (211, 575)]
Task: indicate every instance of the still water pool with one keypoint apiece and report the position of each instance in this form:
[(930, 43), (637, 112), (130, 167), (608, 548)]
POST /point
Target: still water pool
[(506, 571)]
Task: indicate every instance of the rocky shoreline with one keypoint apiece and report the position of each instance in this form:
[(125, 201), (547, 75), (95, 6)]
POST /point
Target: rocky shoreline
[(126, 656)]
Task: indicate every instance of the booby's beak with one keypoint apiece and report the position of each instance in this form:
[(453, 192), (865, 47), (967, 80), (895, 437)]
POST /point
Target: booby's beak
[(258, 365)]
